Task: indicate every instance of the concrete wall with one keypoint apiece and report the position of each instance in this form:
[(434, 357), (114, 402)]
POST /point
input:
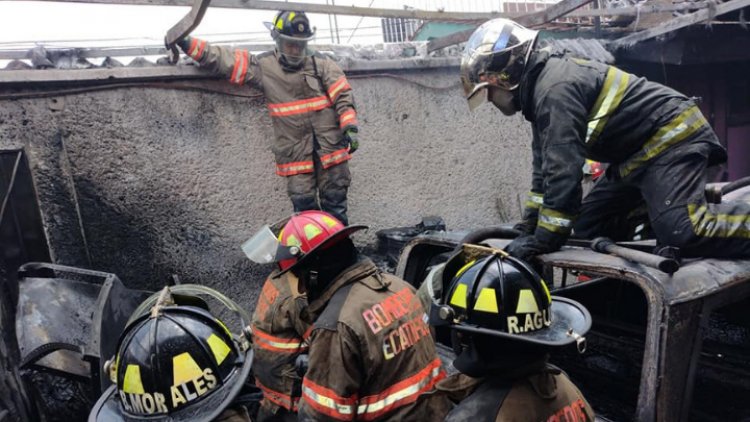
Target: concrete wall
[(146, 182)]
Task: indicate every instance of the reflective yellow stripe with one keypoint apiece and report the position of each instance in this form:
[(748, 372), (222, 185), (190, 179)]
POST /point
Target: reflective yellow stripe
[(681, 127), (459, 296), (534, 200), (131, 382), (555, 221), (708, 224), (487, 301), (607, 102), (218, 347)]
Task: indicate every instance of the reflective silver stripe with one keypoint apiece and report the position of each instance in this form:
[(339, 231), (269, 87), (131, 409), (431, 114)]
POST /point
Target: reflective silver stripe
[(708, 224), (607, 102), (399, 395), (555, 221), (343, 409), (535, 200), (681, 127)]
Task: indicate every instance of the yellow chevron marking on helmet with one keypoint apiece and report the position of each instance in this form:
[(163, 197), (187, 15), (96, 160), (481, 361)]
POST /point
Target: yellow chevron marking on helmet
[(184, 369), (291, 16), (465, 267), (526, 302), (459, 296), (280, 23), (293, 241), (311, 231), (131, 382), (229, 333), (546, 290), (330, 222), (219, 347), (487, 301)]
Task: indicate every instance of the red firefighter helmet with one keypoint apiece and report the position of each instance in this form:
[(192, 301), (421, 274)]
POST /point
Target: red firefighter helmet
[(300, 237)]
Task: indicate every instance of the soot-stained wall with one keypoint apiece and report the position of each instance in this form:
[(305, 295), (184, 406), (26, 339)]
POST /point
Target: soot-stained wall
[(146, 182)]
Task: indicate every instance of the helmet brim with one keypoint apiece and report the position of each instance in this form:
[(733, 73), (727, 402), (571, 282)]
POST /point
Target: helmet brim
[(568, 318), (345, 232), (109, 409)]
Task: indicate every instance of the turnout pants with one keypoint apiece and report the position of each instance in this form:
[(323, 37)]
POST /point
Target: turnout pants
[(323, 189), (672, 187)]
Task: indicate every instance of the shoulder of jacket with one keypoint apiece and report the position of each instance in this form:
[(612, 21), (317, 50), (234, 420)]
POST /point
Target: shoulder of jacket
[(329, 318), (264, 55)]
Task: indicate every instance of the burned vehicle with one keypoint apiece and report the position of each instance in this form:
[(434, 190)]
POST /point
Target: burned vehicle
[(663, 346)]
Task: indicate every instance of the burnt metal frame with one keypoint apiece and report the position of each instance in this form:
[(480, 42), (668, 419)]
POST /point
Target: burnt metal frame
[(114, 304), (678, 310)]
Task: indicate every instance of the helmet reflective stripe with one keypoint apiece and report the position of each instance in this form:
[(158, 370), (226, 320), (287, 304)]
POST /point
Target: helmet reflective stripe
[(218, 347), (487, 301), (184, 369), (132, 381), (459, 296), (526, 302)]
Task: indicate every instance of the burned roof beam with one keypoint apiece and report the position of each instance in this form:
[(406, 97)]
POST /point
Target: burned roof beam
[(311, 8), (559, 9), (681, 22)]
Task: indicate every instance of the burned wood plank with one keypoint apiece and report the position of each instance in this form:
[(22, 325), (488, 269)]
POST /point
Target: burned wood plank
[(534, 19), (551, 13), (681, 22), (310, 8)]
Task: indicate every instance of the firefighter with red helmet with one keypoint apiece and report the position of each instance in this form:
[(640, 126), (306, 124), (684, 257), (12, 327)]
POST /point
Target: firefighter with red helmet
[(371, 355), (311, 106), (280, 336), (504, 325), (656, 141)]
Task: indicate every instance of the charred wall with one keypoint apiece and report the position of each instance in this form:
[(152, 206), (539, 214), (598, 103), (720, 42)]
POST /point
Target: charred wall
[(147, 181)]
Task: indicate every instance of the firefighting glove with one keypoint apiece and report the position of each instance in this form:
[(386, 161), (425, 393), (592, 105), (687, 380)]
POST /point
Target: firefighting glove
[(351, 137), (528, 246), (526, 226), (184, 44)]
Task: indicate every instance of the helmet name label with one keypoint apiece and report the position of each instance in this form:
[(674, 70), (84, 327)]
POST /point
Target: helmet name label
[(194, 388), (143, 404), (525, 323)]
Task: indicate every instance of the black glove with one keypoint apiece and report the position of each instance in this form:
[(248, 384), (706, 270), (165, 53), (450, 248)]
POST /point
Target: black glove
[(351, 137), (528, 246), (301, 364), (184, 44), (525, 227)]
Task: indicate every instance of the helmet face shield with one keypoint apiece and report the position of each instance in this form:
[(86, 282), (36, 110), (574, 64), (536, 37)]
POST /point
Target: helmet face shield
[(293, 50)]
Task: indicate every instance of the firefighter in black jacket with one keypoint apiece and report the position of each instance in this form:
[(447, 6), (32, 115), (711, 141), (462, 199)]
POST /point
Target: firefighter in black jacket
[(656, 140)]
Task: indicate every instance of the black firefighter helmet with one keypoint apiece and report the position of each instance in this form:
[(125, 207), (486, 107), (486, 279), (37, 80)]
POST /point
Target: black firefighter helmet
[(499, 296), (291, 30), (174, 363)]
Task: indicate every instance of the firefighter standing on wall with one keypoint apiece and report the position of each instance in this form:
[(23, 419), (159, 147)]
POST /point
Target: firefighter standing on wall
[(371, 353), (311, 106), (279, 338), (656, 140), (505, 324)]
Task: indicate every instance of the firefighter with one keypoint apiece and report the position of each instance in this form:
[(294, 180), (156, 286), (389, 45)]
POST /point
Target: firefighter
[(279, 338), (655, 140), (371, 355), (505, 324), (311, 106), (177, 362)]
